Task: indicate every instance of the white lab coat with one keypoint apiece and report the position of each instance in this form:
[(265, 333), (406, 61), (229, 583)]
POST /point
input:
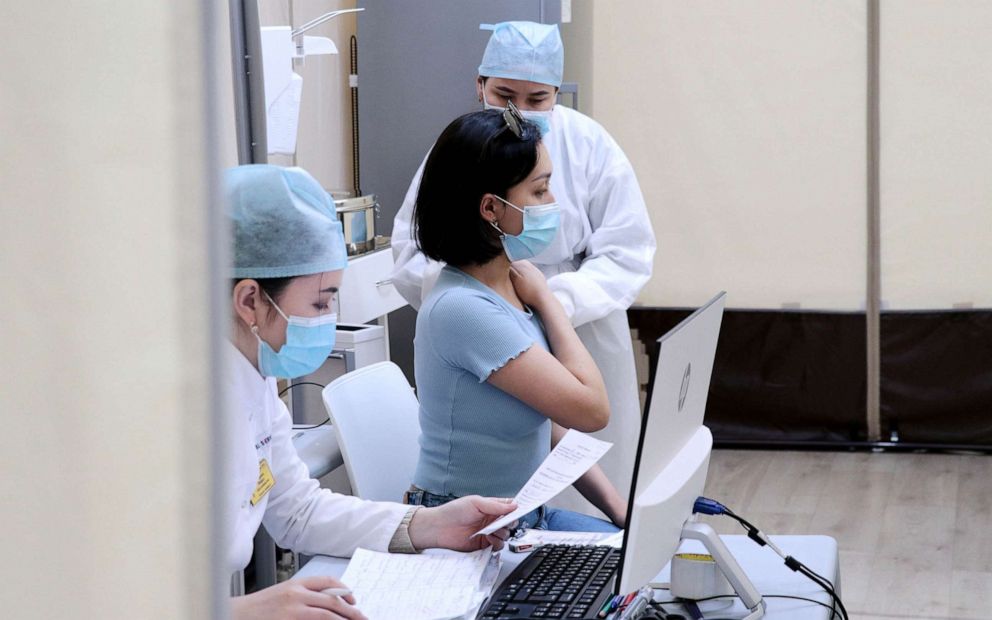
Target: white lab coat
[(297, 513), (596, 266)]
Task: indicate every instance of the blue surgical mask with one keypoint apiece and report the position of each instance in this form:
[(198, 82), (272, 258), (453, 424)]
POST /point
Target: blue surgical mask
[(541, 118), (540, 227), (309, 340)]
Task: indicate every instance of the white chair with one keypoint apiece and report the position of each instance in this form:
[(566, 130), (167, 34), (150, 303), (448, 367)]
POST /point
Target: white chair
[(374, 413)]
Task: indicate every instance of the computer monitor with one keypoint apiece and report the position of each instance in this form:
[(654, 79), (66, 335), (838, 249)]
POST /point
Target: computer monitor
[(673, 449)]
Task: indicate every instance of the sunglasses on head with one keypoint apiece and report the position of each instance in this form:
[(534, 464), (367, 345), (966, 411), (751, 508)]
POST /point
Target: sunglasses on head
[(514, 119)]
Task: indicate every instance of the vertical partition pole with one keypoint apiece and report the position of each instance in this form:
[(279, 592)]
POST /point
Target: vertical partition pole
[(873, 291), (249, 83)]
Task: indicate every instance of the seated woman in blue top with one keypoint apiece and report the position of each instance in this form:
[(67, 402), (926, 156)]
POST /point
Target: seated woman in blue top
[(501, 374)]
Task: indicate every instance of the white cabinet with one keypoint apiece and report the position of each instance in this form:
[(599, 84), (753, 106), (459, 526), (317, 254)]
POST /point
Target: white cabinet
[(366, 290)]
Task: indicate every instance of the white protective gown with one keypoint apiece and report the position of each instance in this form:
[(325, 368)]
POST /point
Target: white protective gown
[(596, 266), (297, 513)]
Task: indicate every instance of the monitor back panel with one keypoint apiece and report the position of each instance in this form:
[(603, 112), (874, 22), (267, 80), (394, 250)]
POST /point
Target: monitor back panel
[(681, 385), (674, 446)]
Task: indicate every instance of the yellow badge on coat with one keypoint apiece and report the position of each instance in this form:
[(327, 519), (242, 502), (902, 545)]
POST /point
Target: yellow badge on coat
[(265, 482)]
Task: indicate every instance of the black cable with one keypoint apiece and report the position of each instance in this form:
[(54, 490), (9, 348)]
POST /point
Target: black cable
[(698, 600), (818, 579), (306, 428), (658, 604), (353, 82), (832, 609), (826, 585), (755, 534), (705, 505), (298, 384)]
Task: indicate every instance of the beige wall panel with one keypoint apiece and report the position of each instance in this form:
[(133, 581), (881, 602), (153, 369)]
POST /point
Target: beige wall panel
[(577, 37), (745, 122), (106, 471), (325, 141), (225, 127), (936, 154)]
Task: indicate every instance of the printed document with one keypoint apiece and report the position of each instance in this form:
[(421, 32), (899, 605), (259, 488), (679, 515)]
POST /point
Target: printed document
[(433, 585), (572, 457), (283, 118)]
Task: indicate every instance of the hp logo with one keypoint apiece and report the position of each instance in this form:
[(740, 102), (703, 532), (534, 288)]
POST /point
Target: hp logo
[(685, 386)]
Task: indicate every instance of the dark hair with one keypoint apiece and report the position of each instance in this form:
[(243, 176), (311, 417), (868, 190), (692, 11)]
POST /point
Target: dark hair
[(274, 287), (476, 154)]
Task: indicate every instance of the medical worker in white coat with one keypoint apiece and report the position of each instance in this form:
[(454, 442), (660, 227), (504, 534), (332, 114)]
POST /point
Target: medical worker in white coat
[(289, 254), (603, 253)]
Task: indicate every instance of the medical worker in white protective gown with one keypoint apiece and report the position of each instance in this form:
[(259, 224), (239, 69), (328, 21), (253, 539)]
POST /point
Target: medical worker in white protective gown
[(289, 254), (603, 253)]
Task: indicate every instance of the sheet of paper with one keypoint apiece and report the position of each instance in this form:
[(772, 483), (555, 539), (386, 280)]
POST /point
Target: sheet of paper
[(277, 61), (488, 581), (434, 585), (613, 540), (282, 119), (572, 457), (549, 537)]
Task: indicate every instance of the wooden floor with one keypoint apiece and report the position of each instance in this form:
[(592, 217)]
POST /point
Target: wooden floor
[(914, 530)]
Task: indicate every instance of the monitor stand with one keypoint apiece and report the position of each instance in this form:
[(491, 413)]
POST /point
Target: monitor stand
[(694, 530)]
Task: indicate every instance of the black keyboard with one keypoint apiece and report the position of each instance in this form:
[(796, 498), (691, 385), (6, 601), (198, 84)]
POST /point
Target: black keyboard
[(556, 581)]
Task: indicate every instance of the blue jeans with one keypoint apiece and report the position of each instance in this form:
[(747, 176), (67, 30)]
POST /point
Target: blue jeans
[(542, 518)]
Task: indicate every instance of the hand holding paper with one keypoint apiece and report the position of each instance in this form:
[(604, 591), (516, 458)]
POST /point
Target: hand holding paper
[(572, 457)]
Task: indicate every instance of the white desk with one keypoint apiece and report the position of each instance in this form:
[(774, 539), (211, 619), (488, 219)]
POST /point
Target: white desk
[(770, 576), (766, 570)]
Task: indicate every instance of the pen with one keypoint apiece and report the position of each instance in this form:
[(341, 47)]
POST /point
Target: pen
[(608, 606), (615, 606), (635, 609), (620, 602), (638, 605), (336, 591)]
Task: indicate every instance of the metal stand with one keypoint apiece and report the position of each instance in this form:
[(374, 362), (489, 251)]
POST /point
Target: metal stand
[(265, 560), (238, 583), (299, 402), (694, 530)]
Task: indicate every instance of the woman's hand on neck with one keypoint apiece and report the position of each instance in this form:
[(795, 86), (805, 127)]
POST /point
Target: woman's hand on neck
[(496, 275)]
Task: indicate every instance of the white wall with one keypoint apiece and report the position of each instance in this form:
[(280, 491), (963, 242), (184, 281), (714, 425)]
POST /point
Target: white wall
[(936, 154), (105, 481), (745, 123)]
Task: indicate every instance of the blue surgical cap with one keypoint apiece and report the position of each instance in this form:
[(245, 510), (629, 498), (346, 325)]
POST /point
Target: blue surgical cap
[(284, 223), (524, 51)]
